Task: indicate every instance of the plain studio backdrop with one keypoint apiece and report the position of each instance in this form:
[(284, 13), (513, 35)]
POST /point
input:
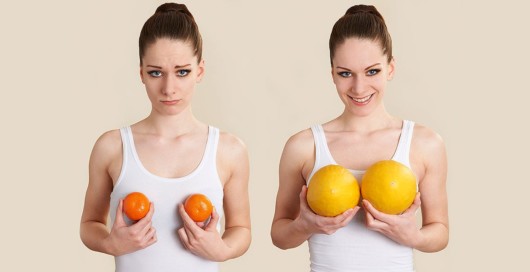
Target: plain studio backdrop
[(70, 72)]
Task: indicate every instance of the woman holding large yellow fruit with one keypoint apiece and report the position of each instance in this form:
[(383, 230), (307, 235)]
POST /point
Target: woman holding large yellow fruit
[(365, 137)]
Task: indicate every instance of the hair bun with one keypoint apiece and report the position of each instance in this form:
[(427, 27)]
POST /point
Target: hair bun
[(173, 7), (364, 9)]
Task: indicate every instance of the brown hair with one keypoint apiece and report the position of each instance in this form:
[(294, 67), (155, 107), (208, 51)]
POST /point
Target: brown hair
[(173, 21), (363, 22)]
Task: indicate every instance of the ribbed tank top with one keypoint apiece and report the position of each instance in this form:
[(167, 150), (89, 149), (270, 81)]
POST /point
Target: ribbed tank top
[(168, 253), (354, 247)]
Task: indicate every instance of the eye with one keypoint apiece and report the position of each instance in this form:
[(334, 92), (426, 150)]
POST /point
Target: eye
[(183, 73), (344, 74), (373, 72), (155, 73)]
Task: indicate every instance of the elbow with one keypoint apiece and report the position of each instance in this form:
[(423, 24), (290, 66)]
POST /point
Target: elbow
[(278, 242)]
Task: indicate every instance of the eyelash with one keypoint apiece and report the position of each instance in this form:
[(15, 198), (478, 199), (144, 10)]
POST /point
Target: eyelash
[(371, 72), (180, 73)]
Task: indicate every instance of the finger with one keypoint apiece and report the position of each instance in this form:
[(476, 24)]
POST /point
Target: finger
[(183, 238), (375, 213), (189, 225), (119, 214), (150, 235), (212, 225), (351, 214), (145, 223), (372, 223), (303, 199), (415, 205)]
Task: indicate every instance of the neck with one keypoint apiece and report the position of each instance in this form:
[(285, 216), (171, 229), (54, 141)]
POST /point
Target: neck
[(170, 125), (378, 119)]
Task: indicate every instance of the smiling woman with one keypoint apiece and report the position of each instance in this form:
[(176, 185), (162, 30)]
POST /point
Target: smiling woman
[(362, 238), (168, 156)]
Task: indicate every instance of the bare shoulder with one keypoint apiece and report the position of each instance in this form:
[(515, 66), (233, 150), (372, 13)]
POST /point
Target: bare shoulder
[(300, 143), (107, 146), (231, 147), (298, 155), (427, 140)]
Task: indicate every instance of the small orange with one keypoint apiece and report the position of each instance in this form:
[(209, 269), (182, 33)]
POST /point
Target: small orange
[(136, 205), (389, 186), (332, 190), (198, 207)]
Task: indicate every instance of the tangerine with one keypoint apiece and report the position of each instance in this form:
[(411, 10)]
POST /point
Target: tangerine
[(198, 207), (389, 186), (136, 205), (332, 190)]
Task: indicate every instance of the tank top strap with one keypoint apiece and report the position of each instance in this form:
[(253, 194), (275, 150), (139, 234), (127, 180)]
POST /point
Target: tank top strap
[(322, 154), (210, 152), (402, 153), (320, 141), (128, 145)]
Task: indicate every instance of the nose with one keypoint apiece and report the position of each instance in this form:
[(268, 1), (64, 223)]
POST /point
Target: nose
[(169, 86), (357, 85)]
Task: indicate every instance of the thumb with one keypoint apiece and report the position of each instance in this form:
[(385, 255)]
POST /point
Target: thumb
[(303, 199), (119, 214), (415, 205), (212, 225)]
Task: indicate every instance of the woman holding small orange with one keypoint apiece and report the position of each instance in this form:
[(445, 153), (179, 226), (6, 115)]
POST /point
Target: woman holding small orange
[(168, 156), (362, 238)]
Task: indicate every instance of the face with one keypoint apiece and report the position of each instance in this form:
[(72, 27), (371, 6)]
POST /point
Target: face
[(170, 72), (360, 72)]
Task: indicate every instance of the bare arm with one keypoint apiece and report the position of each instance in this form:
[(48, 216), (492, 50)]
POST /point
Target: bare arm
[(93, 229), (435, 220), (233, 169), (293, 221), (430, 162), (237, 234)]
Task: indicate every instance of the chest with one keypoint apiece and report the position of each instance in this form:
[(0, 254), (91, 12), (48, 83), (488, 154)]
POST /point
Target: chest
[(170, 158), (358, 151)]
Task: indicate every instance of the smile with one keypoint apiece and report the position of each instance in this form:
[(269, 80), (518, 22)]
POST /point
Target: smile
[(361, 100)]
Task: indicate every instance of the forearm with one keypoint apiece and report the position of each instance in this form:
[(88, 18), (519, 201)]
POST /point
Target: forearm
[(95, 236), (287, 233), (237, 239), (432, 238)]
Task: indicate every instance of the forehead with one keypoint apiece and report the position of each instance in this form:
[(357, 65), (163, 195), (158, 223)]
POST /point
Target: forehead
[(170, 52), (358, 53)]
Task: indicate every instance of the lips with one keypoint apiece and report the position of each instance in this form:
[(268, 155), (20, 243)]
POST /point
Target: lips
[(170, 102), (362, 100)]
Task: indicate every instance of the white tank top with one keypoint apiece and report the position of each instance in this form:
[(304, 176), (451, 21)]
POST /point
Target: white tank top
[(354, 247), (168, 253)]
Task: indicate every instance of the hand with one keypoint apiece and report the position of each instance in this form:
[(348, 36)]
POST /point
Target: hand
[(400, 228), (313, 223), (125, 239), (206, 242)]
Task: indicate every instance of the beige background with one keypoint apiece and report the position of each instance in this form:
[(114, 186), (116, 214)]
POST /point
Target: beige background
[(69, 72)]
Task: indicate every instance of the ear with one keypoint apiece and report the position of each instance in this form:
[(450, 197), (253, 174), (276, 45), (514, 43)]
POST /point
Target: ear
[(201, 70), (142, 74), (391, 69), (333, 74)]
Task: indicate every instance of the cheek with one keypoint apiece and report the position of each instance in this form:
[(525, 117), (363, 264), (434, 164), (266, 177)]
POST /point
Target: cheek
[(342, 85)]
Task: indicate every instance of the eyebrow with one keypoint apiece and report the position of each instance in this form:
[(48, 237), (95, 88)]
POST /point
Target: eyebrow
[(367, 68), (176, 66)]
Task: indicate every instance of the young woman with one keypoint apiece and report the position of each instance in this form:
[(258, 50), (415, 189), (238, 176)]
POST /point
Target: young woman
[(168, 156), (362, 239)]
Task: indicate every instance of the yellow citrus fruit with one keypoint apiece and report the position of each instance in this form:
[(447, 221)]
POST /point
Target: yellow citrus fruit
[(332, 190), (389, 186)]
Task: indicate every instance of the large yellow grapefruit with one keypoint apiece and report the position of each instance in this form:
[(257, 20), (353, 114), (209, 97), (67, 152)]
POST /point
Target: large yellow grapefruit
[(389, 186), (332, 190)]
